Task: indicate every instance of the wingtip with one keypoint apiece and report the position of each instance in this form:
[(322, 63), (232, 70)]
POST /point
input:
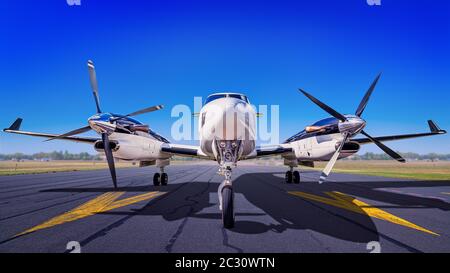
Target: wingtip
[(15, 126), (434, 128)]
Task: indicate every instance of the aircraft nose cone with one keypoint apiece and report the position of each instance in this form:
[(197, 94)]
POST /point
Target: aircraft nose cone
[(228, 120)]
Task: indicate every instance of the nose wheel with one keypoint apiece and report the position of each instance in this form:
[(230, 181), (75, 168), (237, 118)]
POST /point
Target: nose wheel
[(226, 200), (160, 178), (228, 207)]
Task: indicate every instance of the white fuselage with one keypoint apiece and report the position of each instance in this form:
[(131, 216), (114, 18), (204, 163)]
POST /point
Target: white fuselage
[(227, 119)]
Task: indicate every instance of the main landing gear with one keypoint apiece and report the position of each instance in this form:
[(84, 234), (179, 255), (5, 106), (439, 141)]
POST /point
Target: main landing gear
[(226, 199), (292, 176), (160, 178)]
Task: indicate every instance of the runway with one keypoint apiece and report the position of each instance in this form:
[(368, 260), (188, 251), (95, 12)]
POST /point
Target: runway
[(349, 213)]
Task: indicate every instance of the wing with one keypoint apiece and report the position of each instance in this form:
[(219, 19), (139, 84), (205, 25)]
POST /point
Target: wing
[(183, 150), (434, 130), (273, 150), (270, 150), (15, 129)]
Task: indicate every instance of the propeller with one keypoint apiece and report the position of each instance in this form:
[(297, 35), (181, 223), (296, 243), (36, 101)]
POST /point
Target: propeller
[(348, 134), (139, 112), (325, 107), (109, 158), (71, 133), (94, 85), (365, 99), (386, 149), (105, 137), (333, 160)]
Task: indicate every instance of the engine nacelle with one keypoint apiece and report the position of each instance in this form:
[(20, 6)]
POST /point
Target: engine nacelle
[(322, 148), (132, 147)]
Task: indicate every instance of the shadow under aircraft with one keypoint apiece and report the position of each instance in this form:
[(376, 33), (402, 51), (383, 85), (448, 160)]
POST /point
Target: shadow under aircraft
[(287, 210)]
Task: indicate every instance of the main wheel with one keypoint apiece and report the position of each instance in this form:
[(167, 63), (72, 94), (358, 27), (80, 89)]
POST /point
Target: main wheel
[(288, 177), (164, 179), (156, 181), (227, 207), (296, 177)]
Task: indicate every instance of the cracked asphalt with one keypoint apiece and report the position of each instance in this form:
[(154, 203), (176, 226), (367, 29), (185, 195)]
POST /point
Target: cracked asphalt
[(43, 212)]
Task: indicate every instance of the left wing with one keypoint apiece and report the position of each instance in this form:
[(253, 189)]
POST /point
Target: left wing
[(434, 130), (15, 129)]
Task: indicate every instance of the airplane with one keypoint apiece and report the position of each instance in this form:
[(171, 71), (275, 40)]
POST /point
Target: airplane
[(227, 123)]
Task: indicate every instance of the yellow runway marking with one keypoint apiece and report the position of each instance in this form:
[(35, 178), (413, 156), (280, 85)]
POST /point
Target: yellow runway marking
[(350, 203), (102, 203)]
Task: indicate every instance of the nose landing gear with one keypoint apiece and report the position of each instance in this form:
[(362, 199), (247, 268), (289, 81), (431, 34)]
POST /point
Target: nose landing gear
[(228, 153)]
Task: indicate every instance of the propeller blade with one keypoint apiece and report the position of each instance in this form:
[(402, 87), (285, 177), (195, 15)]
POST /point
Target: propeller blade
[(109, 158), (365, 99), (94, 86), (332, 161), (386, 149), (139, 112), (146, 110), (71, 133), (325, 107)]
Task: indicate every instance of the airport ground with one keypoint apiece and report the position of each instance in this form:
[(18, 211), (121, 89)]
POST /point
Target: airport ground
[(349, 213), (437, 170)]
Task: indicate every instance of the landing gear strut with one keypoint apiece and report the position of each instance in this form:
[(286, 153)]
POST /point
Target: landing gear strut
[(227, 154), (160, 178), (292, 176)]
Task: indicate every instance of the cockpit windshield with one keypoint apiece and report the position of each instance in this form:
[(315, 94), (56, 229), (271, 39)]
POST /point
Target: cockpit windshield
[(218, 96)]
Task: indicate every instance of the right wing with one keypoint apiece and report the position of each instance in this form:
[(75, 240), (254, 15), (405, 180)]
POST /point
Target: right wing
[(183, 150), (15, 129), (434, 130)]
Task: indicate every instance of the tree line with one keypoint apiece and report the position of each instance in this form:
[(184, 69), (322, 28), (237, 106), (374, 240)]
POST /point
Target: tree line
[(410, 156), (55, 155), (60, 155)]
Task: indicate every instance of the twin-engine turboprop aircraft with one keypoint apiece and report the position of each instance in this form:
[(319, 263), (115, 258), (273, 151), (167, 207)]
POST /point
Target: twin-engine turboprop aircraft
[(227, 125)]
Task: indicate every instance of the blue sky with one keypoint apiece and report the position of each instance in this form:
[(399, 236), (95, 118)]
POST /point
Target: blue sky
[(151, 52)]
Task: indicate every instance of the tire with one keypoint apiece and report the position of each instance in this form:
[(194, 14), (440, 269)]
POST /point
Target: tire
[(156, 180), (164, 179), (288, 178), (227, 207), (296, 177)]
